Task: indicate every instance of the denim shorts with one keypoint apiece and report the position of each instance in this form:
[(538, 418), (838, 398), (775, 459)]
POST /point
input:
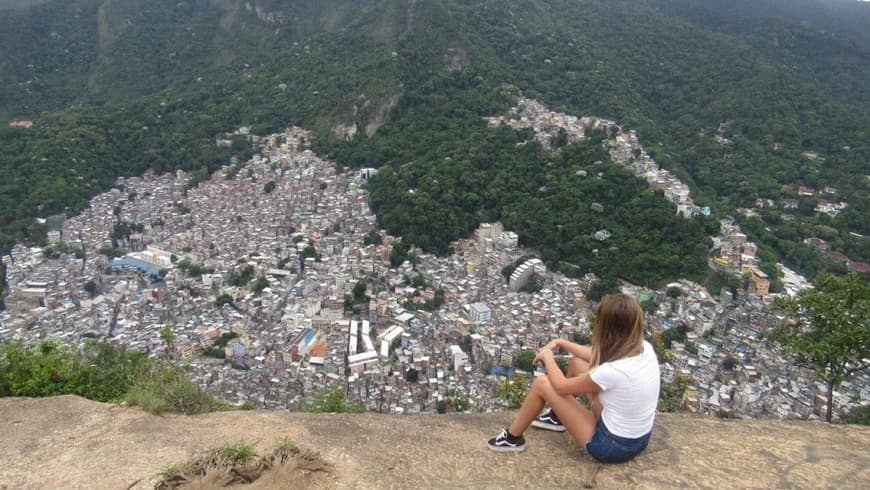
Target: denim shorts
[(608, 448)]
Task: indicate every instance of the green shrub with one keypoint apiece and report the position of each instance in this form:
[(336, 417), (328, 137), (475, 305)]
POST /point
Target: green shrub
[(98, 372), (286, 445), (524, 360), (239, 453), (672, 397), (169, 471), (102, 372), (460, 403), (859, 416), (160, 387), (333, 402), (513, 391), (216, 352), (148, 399)]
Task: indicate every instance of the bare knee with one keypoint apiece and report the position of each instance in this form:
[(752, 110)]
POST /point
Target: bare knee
[(543, 387), (541, 383)]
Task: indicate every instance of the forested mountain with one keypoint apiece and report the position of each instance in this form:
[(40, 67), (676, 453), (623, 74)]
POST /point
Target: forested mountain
[(823, 43), (95, 51), (17, 4), (117, 87)]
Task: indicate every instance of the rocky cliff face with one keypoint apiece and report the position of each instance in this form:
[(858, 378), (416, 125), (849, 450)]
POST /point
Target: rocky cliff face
[(68, 442)]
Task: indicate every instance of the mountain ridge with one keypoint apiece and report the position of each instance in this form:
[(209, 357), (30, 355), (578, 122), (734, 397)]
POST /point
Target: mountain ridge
[(669, 78)]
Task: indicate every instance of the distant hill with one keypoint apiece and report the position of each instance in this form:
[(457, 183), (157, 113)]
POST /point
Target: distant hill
[(825, 43), (411, 79), (17, 4)]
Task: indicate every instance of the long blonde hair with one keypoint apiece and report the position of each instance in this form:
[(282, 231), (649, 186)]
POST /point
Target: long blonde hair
[(618, 330)]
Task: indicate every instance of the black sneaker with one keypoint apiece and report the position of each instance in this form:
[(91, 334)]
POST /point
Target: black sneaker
[(548, 421), (505, 442)]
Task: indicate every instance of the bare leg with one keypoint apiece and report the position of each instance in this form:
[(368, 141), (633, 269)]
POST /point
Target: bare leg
[(577, 419), (596, 404), (576, 367)]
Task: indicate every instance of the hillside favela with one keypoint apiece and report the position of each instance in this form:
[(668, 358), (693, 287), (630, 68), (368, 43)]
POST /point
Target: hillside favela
[(333, 244)]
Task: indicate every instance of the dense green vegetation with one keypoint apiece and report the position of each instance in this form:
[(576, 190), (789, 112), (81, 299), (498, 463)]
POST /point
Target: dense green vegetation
[(859, 416), (101, 372), (672, 397), (334, 401), (162, 80), (822, 43), (513, 391), (672, 89), (465, 173)]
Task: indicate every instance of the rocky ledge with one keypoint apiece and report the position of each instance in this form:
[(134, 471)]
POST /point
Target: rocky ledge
[(69, 442)]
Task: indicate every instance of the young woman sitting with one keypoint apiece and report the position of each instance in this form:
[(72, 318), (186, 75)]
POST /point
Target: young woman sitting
[(619, 374)]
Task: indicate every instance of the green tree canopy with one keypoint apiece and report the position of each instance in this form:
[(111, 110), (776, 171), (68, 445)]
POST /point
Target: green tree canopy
[(829, 329), (168, 337), (524, 360)]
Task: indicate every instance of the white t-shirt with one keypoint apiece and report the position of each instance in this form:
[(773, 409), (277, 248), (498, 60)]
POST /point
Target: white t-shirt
[(629, 393)]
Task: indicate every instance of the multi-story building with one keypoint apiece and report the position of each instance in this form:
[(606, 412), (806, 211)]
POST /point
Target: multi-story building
[(478, 313)]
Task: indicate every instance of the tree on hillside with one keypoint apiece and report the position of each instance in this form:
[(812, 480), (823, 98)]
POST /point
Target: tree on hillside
[(91, 288), (359, 292), (168, 338), (601, 288), (524, 360), (400, 253), (672, 397), (259, 285), (729, 363), (830, 329), (309, 252), (223, 299), (373, 238)]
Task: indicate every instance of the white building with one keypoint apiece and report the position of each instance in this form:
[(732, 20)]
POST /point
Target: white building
[(489, 231), (460, 358), (601, 235), (508, 239), (367, 336), (369, 357), (154, 256), (522, 273), (388, 337), (705, 353), (478, 313), (362, 361), (352, 335)]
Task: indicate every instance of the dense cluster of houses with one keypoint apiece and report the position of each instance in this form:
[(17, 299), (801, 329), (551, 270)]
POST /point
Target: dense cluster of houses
[(257, 271)]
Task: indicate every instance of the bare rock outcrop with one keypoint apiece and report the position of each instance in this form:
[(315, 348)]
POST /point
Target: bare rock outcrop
[(68, 442), (344, 132), (380, 114)]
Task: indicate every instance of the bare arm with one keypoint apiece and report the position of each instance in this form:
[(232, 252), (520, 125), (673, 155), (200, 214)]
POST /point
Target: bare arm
[(580, 351), (565, 386)]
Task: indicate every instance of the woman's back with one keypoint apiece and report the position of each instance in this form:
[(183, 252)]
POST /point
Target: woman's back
[(629, 392)]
